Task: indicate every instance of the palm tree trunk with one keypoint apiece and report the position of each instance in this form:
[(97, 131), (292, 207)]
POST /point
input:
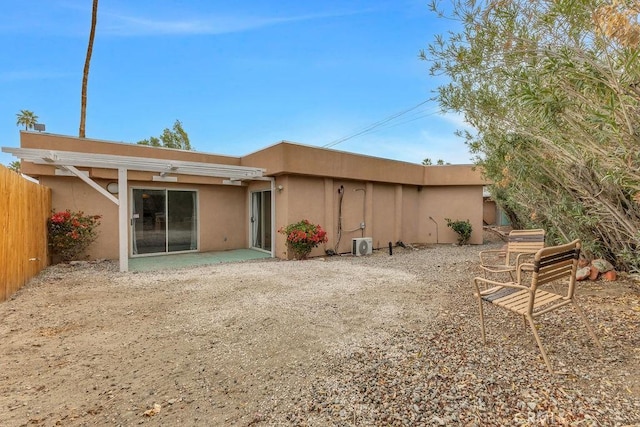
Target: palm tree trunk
[(85, 74)]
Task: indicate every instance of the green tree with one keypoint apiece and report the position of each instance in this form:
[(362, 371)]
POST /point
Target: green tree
[(27, 119), (15, 166), (429, 162), (176, 137), (552, 90), (85, 73)]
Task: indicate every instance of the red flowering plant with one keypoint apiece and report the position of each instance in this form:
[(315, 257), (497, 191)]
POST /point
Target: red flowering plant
[(70, 233), (302, 237)]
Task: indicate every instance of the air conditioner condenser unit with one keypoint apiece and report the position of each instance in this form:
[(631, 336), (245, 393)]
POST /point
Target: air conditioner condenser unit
[(362, 246)]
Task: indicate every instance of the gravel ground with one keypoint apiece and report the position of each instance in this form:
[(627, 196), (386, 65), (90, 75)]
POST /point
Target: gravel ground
[(344, 341)]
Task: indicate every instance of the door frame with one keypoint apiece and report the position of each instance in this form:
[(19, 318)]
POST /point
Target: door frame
[(131, 219), (270, 227)]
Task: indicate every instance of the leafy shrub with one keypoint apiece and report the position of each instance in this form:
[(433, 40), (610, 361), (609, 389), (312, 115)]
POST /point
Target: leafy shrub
[(463, 228), (302, 237), (70, 233)]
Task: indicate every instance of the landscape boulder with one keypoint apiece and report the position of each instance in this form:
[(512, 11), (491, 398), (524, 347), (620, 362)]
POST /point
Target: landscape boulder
[(596, 268), (583, 273), (602, 265)]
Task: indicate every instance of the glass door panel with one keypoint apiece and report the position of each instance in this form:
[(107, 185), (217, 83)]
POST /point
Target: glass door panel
[(261, 220), (149, 221), (182, 224), (266, 220), (256, 226), (164, 221)]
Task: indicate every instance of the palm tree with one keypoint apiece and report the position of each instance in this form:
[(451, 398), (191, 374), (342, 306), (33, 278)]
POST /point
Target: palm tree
[(26, 118), (85, 75), (15, 166)]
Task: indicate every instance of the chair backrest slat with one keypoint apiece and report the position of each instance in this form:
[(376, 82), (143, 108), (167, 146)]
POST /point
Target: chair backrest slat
[(556, 262), (525, 246), (518, 236), (524, 241)]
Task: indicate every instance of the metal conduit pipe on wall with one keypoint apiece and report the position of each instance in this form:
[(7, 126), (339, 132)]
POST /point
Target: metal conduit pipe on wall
[(362, 224), (434, 221), (364, 210)]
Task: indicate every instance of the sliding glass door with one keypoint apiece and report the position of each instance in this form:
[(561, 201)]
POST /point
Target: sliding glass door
[(164, 221), (261, 220)]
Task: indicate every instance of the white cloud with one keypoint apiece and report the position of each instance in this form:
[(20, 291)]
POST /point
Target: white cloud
[(409, 148), (130, 25), (141, 19), (431, 136), (458, 121)]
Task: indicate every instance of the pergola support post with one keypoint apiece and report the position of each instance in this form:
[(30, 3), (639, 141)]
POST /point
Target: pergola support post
[(123, 219)]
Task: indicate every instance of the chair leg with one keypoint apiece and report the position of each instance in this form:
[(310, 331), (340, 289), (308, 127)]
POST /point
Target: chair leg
[(484, 337), (544, 353), (593, 335)]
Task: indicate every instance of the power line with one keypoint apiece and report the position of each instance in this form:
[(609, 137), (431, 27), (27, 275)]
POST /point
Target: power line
[(385, 123)]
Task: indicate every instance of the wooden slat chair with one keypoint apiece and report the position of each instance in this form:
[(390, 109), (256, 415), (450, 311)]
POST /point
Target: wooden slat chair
[(550, 265), (521, 245)]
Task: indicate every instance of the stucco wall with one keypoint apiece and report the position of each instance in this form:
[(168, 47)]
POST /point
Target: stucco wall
[(222, 210), (295, 159), (73, 194), (456, 203), (396, 201), (384, 215), (301, 198), (391, 212), (223, 217), (355, 203)]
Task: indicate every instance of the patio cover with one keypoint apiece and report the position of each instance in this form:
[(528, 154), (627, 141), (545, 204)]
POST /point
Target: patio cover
[(70, 160)]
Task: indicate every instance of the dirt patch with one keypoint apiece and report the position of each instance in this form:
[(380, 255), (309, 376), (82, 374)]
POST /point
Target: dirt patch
[(248, 343)]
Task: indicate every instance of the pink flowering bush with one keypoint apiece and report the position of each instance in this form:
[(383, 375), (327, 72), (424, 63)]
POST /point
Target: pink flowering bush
[(70, 233), (302, 237)]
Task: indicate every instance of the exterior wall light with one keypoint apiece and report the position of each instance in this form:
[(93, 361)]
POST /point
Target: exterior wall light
[(280, 187), (112, 187)]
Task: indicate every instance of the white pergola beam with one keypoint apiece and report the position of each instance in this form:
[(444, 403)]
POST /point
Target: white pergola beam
[(92, 183), (71, 160), (110, 161)]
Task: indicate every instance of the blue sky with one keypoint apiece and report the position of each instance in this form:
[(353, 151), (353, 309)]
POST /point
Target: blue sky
[(239, 75)]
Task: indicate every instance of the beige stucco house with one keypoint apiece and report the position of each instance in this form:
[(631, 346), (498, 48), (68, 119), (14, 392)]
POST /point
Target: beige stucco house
[(155, 201)]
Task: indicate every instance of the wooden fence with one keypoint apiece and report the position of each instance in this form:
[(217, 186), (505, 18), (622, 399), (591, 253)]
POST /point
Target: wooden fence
[(24, 208)]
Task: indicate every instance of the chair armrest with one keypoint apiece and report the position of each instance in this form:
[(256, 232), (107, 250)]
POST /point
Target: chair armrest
[(521, 256), (495, 252), (498, 268), (494, 283), (525, 266)]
